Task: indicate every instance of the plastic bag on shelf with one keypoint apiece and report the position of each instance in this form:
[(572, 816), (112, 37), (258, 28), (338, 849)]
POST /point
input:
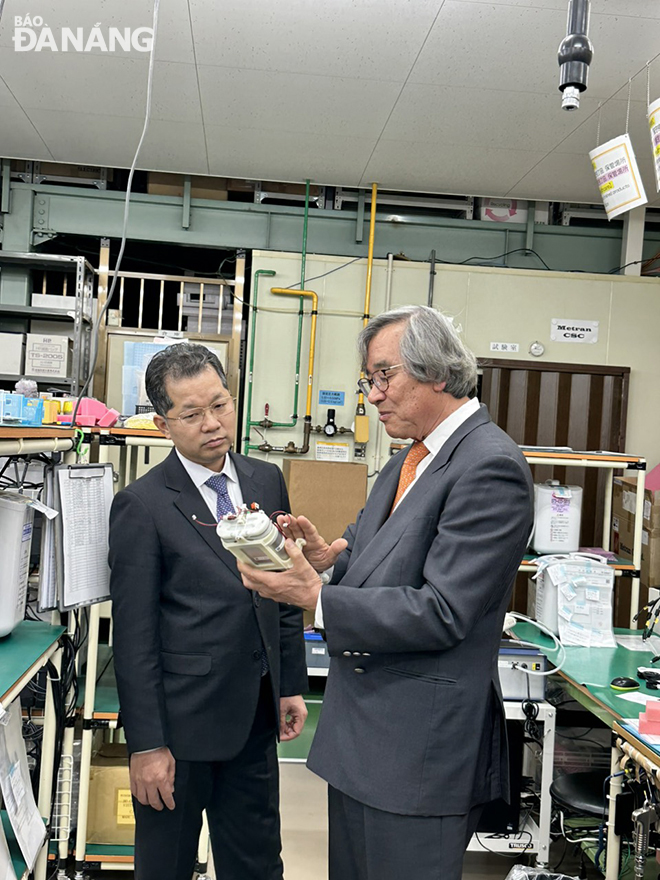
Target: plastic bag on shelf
[(524, 872)]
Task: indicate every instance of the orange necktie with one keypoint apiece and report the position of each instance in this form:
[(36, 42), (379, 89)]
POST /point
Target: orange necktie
[(415, 454)]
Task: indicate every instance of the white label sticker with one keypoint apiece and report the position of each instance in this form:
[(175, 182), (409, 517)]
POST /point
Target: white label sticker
[(565, 612), (572, 330), (568, 591), (332, 451), (629, 501), (505, 346)]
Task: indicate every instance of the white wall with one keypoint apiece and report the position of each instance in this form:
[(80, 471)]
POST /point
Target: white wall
[(489, 305)]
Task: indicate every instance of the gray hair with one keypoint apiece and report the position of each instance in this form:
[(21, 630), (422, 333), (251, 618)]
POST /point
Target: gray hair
[(182, 360), (431, 349)]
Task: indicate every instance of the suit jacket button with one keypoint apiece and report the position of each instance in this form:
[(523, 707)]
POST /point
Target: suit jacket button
[(357, 654), (366, 655), (347, 653), (256, 655), (359, 669)]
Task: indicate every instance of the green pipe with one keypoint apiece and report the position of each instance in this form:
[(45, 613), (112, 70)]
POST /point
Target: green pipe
[(248, 414), (294, 418)]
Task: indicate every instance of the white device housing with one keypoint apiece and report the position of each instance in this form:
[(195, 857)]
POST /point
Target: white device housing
[(254, 539), (16, 518), (574, 600), (558, 513)]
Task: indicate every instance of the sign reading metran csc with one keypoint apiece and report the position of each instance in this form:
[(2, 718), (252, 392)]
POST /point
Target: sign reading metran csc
[(31, 34), (563, 330)]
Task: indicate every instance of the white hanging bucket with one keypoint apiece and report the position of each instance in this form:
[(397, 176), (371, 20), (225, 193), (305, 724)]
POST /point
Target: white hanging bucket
[(557, 517)]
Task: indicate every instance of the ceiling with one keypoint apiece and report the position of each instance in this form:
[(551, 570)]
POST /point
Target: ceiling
[(438, 96)]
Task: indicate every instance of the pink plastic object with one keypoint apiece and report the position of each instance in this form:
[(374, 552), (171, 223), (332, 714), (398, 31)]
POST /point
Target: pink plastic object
[(646, 725), (109, 418), (85, 421), (653, 711), (90, 406)]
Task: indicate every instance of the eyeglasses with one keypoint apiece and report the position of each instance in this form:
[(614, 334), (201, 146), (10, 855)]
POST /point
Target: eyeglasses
[(193, 418), (380, 379)]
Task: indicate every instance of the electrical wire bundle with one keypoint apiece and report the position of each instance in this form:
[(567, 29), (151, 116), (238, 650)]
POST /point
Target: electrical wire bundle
[(652, 610)]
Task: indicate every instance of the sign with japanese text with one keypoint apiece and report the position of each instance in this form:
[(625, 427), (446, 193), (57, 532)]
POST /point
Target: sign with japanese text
[(654, 128), (618, 177), (504, 346)]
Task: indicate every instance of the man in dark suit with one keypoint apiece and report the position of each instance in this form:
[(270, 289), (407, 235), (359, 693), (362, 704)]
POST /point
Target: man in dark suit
[(412, 737), (206, 671)]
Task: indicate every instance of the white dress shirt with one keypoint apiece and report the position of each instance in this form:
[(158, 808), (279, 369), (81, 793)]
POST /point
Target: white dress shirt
[(434, 443), (200, 474), (439, 436)]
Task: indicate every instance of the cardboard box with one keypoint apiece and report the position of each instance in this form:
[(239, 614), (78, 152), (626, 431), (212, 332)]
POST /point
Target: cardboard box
[(238, 184), (12, 353), (110, 819), (162, 184), (57, 302), (624, 498), (622, 544), (291, 189), (48, 356), (330, 494), (622, 599), (79, 172)]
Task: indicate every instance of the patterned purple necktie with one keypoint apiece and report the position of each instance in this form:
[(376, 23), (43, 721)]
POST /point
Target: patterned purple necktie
[(218, 482)]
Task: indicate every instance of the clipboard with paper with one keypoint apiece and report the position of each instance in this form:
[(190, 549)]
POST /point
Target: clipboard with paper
[(84, 495)]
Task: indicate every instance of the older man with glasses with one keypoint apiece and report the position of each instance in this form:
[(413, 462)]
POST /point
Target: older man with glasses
[(207, 673), (412, 738)]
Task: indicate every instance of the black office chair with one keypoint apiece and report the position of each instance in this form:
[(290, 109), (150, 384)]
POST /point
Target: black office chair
[(581, 794), (579, 797)]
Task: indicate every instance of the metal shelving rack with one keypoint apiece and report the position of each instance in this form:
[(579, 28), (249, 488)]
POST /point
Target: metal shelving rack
[(531, 837), (608, 461), (23, 654), (79, 314), (100, 703)]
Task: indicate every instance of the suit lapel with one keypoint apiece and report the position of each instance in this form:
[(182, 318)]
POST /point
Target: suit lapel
[(379, 533), (191, 504), (378, 506), (251, 490)]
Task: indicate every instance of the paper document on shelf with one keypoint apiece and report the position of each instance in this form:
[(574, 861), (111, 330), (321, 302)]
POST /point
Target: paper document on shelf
[(635, 643), (85, 496), (48, 567), (584, 602), (638, 697), (652, 739), (16, 787), (6, 868)]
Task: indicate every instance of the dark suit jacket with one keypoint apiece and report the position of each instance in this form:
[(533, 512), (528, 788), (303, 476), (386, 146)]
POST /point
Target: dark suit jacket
[(187, 634), (415, 723)]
